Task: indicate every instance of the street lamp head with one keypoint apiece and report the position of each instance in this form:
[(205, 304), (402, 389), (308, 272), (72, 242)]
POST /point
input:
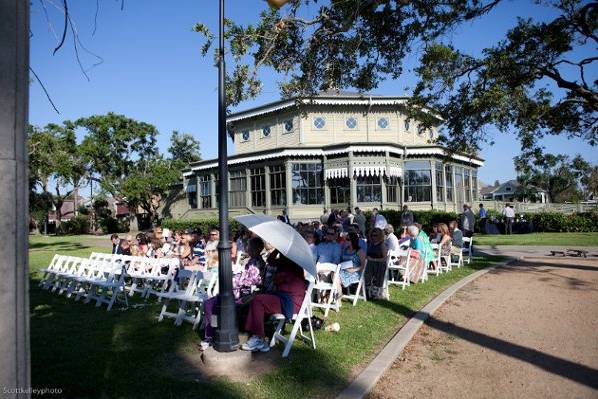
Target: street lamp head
[(276, 3)]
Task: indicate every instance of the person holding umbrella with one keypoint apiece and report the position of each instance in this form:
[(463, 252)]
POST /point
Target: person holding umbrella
[(293, 260), (289, 281)]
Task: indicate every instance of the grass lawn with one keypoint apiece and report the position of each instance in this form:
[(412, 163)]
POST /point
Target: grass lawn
[(88, 352), (560, 239)]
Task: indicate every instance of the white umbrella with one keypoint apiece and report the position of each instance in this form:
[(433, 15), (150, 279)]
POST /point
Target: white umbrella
[(283, 237)]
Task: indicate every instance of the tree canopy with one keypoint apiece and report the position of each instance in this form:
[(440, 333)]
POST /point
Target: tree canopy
[(565, 179), (533, 82)]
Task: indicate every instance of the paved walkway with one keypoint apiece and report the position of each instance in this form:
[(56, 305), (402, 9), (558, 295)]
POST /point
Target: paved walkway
[(517, 251), (528, 330)]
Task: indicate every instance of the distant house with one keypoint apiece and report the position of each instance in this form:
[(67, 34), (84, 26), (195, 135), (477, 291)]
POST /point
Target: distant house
[(507, 192), (67, 210)]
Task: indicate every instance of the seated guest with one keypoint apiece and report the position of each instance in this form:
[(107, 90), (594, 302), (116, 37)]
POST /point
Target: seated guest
[(422, 255), (445, 240), (354, 253), (436, 236), (125, 246), (115, 244), (287, 299), (375, 273), (456, 234), (391, 240), (212, 248), (142, 244), (328, 251), (248, 277)]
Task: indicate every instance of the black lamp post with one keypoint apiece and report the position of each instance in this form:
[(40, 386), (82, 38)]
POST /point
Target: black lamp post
[(226, 336)]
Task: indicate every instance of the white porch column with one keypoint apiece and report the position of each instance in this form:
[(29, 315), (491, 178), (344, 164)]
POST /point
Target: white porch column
[(352, 183), (14, 198), (268, 194)]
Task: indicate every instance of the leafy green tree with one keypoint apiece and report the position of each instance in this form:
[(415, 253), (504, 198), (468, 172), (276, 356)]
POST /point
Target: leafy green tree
[(561, 176), (148, 182), (358, 43), (114, 145), (55, 158), (591, 182), (184, 149)]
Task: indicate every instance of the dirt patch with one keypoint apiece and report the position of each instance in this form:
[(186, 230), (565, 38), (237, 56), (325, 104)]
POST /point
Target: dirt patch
[(529, 330), (187, 364)]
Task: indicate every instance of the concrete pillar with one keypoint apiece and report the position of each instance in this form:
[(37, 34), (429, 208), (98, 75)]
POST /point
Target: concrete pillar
[(14, 284)]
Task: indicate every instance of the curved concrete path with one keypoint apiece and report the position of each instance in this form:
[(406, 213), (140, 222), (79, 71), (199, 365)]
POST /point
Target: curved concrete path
[(525, 330)]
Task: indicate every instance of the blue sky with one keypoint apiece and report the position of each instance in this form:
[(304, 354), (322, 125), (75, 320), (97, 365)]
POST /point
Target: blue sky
[(153, 71)]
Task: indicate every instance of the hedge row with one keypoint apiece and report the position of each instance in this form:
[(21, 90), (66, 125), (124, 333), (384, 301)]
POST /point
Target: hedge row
[(542, 221), (202, 225)]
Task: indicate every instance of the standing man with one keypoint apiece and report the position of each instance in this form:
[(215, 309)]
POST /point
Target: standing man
[(406, 217), (378, 220), (467, 221), (324, 217), (483, 218), (359, 219), (284, 217), (509, 214)]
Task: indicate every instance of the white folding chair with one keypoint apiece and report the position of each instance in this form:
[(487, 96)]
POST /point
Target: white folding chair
[(57, 264), (435, 267), (161, 276), (138, 269), (327, 288), (185, 295), (467, 245), (304, 313), (63, 277), (395, 265), (110, 281), (360, 291)]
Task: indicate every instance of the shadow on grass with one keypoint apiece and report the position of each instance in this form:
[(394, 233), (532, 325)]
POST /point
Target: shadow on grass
[(89, 352), (58, 246)]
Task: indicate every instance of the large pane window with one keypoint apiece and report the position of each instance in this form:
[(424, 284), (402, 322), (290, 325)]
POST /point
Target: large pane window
[(467, 184), (205, 191), (258, 187), (307, 184), (369, 189), (448, 179), (192, 193), (392, 189), (339, 190), (278, 185), (439, 182), (418, 181), (459, 184), (237, 189)]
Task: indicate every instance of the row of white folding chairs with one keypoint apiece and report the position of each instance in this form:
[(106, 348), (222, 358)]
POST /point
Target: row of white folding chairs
[(107, 272), (92, 278), (189, 288)]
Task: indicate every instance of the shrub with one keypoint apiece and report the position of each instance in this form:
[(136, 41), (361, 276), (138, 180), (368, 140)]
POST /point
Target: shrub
[(203, 225), (425, 218), (110, 225), (77, 225)]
